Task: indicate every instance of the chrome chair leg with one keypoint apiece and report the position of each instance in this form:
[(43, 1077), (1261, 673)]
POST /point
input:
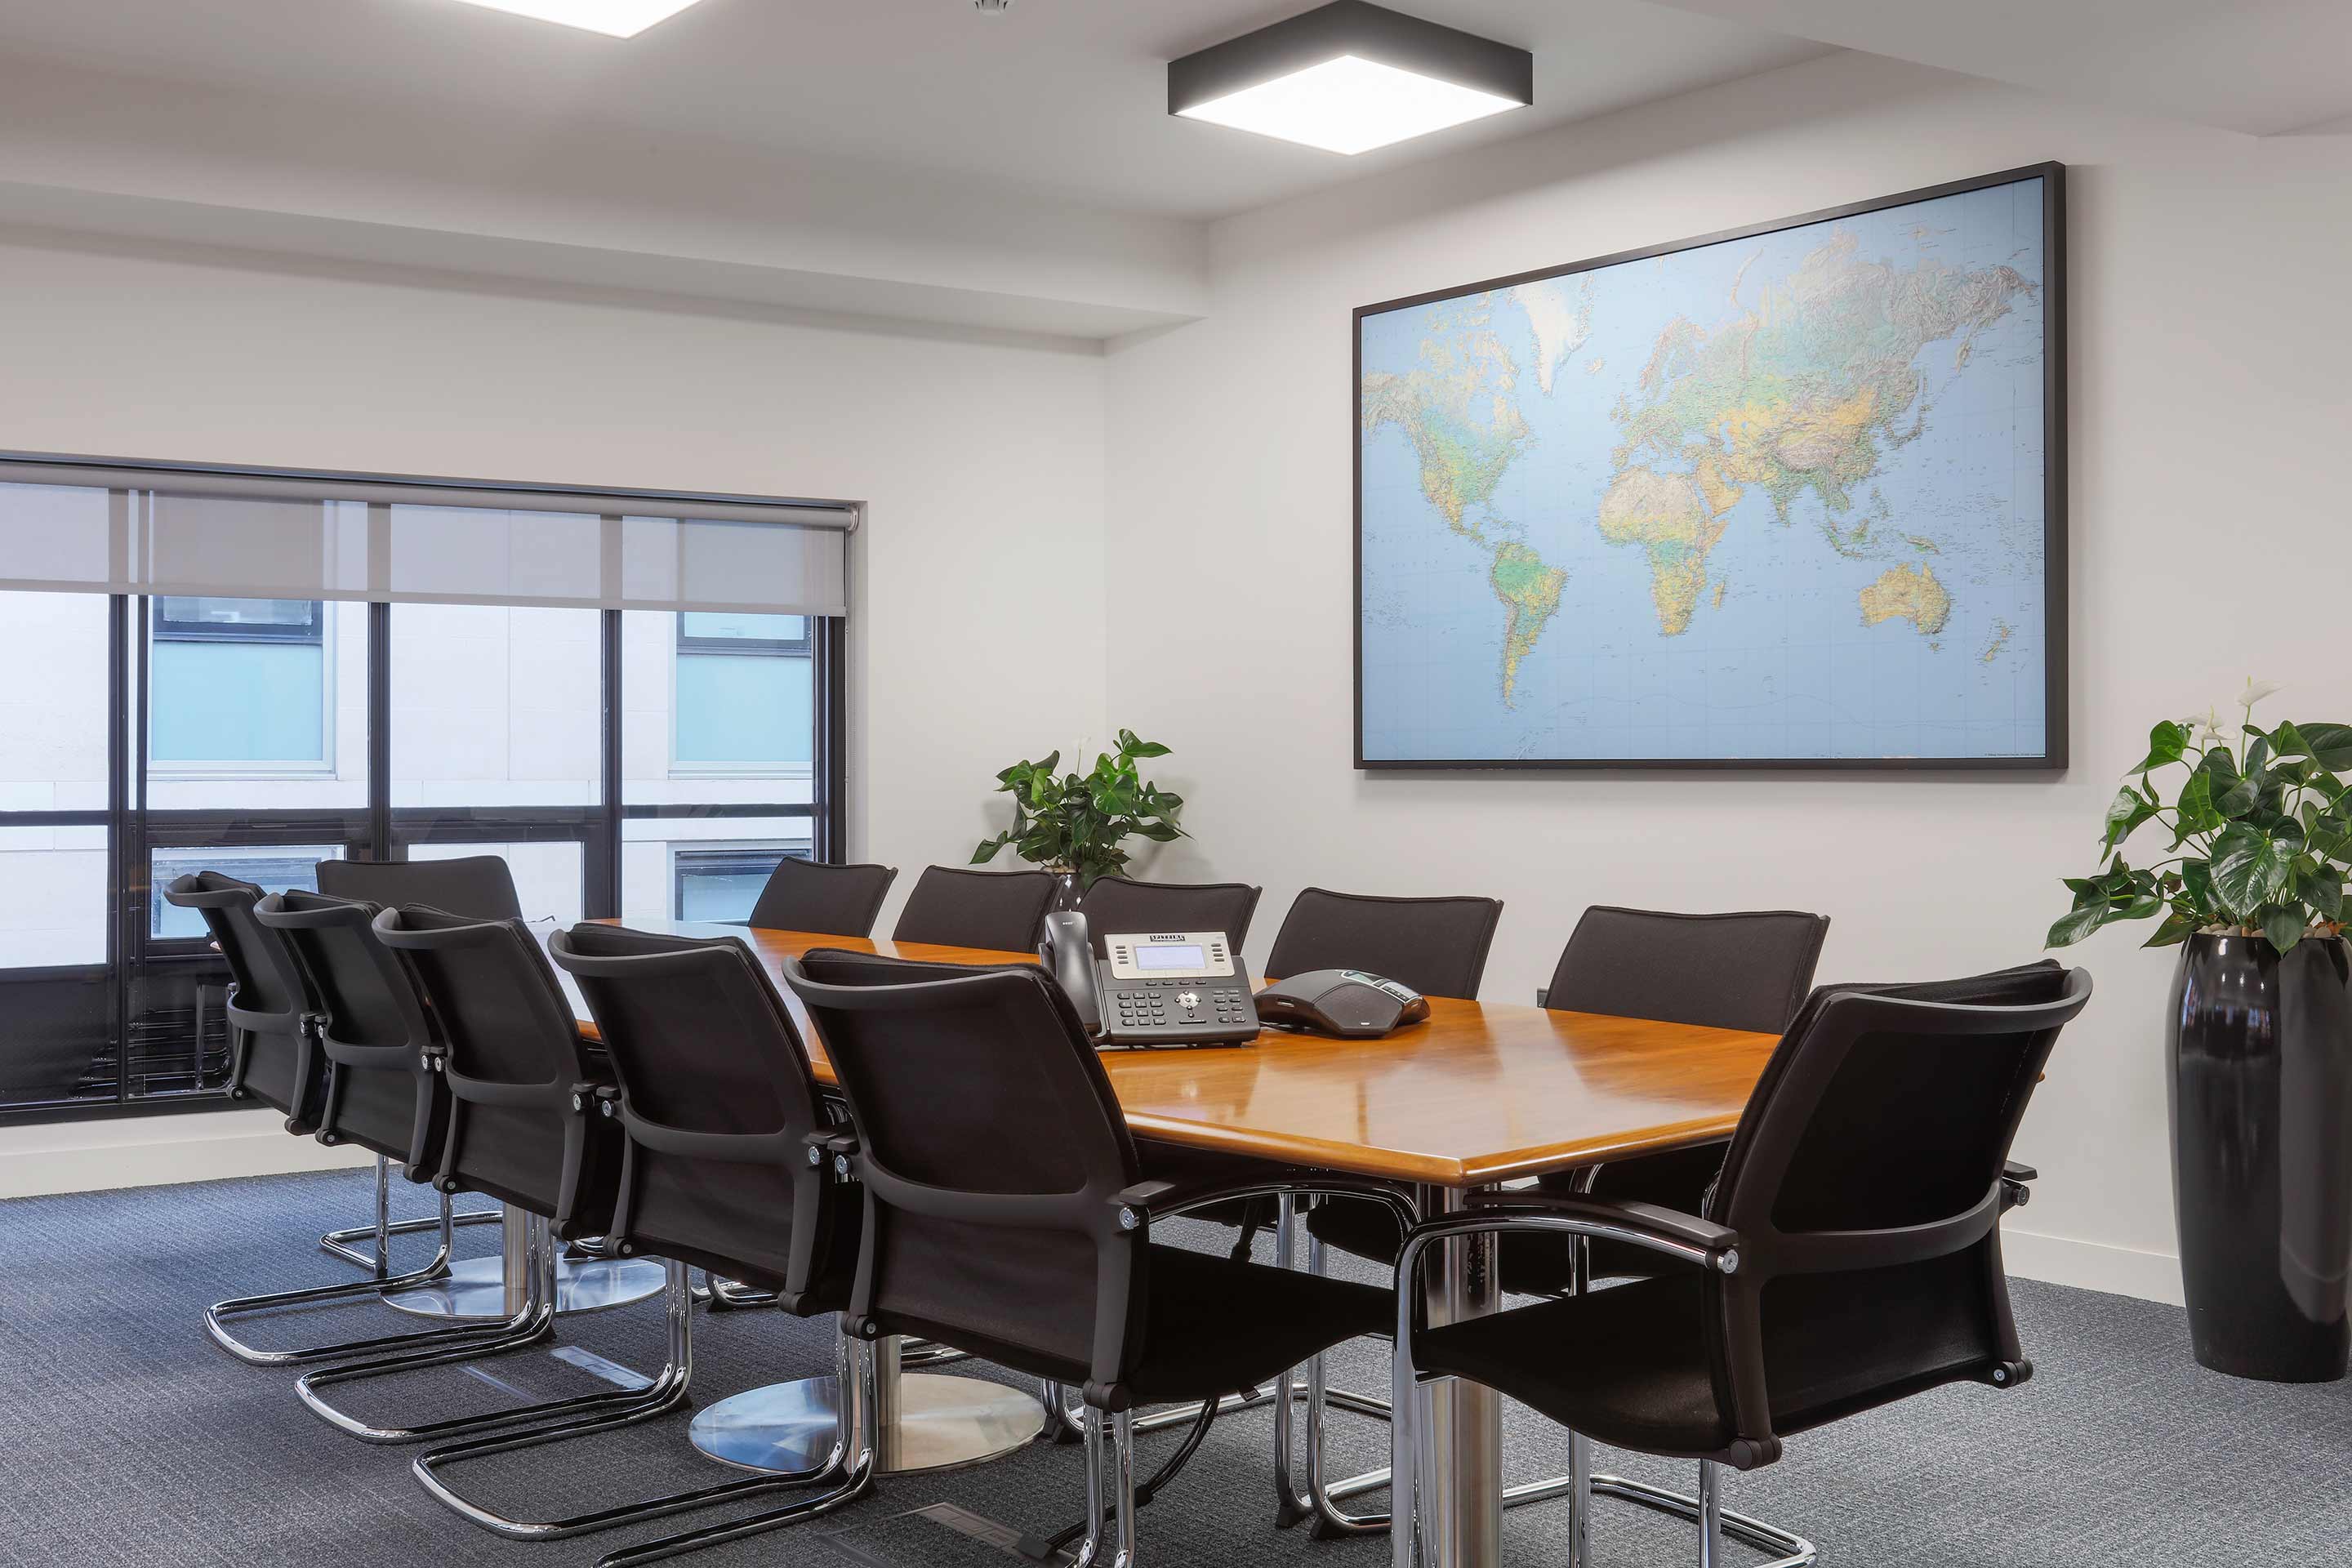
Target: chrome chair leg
[(853, 1469), (1715, 1520), (667, 1391), (381, 1283), (339, 1242), (533, 1321), (1111, 1526)]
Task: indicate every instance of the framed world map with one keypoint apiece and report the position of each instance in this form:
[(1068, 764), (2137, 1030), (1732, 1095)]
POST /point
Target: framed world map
[(1791, 496)]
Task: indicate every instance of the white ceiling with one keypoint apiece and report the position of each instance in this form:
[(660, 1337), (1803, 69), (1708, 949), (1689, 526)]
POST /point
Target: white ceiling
[(2267, 68), (909, 159), (1066, 97)]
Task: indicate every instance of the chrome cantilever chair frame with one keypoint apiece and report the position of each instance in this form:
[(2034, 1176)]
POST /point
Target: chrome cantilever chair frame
[(1407, 1456), (1293, 1504), (664, 1393), (381, 1282), (531, 1323), (852, 1468)]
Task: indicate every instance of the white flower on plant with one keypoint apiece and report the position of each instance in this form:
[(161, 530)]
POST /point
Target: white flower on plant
[(2205, 730), (2255, 691)]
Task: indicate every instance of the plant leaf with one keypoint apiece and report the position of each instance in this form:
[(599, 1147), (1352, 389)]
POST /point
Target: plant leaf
[(2174, 930), (2283, 927), (2329, 745), (2074, 926), (2167, 744), (2322, 890), (2249, 869)]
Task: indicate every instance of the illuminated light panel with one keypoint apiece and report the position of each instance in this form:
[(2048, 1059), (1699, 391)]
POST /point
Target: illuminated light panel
[(1350, 105), (618, 18)]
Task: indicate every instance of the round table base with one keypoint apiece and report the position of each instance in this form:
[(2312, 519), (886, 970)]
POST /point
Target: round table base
[(477, 1288), (943, 1422)]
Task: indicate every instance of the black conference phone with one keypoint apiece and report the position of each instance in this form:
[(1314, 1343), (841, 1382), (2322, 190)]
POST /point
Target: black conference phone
[(1156, 988), (1347, 1002)]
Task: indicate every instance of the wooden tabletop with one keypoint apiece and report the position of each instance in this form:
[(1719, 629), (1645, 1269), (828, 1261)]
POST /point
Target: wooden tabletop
[(1483, 1092)]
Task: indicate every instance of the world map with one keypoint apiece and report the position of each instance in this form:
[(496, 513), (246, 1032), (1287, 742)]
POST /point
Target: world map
[(1779, 498)]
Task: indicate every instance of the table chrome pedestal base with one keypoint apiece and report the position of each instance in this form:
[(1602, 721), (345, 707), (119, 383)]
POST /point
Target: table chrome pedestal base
[(942, 1422), (477, 1288)]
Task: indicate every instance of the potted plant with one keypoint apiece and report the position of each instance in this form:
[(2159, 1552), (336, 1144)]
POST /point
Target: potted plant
[(1076, 825), (2251, 887)]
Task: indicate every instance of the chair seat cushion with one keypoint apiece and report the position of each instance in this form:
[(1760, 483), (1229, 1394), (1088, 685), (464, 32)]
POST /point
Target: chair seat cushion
[(1624, 1365), (1213, 1326)]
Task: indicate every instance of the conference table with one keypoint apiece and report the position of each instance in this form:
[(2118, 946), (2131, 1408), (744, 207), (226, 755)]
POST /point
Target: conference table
[(1481, 1094)]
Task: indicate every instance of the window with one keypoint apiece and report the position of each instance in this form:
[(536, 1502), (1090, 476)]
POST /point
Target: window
[(722, 882), (744, 694), (240, 687), (253, 673)]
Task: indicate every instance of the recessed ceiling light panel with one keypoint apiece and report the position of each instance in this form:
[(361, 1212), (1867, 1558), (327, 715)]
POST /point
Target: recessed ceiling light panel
[(1350, 77), (620, 18)]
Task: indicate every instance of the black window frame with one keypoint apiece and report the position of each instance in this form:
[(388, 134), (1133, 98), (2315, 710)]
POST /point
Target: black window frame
[(152, 984)]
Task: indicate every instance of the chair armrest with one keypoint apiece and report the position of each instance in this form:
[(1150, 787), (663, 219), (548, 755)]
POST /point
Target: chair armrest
[(2016, 1171), (1652, 1226), (1138, 1206)]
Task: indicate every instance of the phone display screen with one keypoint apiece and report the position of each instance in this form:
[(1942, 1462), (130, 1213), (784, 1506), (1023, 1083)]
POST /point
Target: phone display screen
[(1179, 957)]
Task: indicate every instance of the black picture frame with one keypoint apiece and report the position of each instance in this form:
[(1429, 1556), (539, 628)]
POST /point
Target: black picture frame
[(2055, 598)]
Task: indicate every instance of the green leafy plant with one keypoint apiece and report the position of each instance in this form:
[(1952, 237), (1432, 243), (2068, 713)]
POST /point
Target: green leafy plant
[(1077, 823), (2261, 827)]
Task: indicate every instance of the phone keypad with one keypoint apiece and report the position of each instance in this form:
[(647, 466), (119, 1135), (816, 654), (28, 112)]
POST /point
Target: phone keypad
[(1147, 1004)]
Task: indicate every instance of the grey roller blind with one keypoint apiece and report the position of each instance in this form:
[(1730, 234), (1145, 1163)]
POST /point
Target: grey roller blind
[(127, 529)]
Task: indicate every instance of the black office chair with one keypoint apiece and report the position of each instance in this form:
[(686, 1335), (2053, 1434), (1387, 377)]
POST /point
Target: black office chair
[(809, 894), (272, 1055), (719, 1128), (1848, 1257), (1437, 946), (955, 908), (481, 886), (1746, 970), (1122, 904), (1036, 1250), (275, 1057), (521, 1123), (375, 1046)]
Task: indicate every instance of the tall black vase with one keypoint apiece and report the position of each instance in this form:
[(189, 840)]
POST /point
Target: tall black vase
[(2262, 1153)]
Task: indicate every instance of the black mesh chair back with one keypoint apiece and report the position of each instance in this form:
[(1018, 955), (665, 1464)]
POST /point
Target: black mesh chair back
[(267, 998), (992, 1149), (480, 885), (1437, 946), (1865, 1184), (998, 909), (808, 895), (523, 1125), (1745, 971), (1119, 904), (718, 1108), (379, 1094)]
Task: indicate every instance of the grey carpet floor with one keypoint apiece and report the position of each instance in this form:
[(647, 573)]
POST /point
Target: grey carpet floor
[(126, 1437)]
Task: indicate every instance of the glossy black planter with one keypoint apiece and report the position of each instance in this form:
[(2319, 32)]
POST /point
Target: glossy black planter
[(2262, 1153)]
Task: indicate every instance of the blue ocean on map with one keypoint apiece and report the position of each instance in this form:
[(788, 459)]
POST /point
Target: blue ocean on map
[(1770, 499)]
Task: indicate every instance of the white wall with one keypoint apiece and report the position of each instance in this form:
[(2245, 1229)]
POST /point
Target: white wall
[(977, 630), (2209, 412)]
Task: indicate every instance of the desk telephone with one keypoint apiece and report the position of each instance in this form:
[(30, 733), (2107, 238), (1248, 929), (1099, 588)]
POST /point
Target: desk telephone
[(1157, 988)]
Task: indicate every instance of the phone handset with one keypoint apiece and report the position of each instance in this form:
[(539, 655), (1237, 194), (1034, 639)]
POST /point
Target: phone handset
[(1068, 955)]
